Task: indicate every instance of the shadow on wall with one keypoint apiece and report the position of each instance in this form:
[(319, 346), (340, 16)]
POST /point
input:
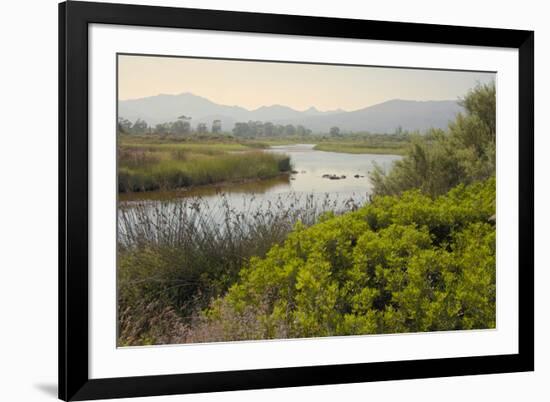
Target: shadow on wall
[(48, 389)]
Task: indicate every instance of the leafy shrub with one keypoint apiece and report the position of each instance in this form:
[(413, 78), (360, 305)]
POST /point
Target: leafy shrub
[(399, 264)]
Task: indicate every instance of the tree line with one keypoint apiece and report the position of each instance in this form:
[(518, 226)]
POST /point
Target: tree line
[(182, 127), (268, 129)]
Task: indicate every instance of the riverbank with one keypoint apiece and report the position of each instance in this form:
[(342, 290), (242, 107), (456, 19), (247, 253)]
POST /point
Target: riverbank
[(358, 148), (152, 163), (149, 166), (246, 186)]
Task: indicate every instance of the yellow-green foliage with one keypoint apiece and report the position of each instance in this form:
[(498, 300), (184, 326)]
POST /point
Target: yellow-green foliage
[(399, 264)]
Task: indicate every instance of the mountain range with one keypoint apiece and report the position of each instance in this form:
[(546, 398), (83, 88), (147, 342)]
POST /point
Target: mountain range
[(384, 117)]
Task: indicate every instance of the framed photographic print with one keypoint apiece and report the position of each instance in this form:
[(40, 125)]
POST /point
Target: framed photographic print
[(258, 200)]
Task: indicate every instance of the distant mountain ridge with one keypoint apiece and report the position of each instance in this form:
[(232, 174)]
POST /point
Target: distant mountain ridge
[(384, 117)]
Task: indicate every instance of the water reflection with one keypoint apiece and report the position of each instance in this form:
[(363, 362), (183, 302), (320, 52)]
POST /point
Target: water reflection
[(305, 189), (276, 184), (312, 165)]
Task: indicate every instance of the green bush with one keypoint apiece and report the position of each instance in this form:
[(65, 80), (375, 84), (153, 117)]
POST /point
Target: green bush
[(399, 264)]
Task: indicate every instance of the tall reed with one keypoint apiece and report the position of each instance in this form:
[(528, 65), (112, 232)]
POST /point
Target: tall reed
[(166, 168)]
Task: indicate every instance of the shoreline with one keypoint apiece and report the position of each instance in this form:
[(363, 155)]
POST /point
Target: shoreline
[(185, 191), (357, 150)]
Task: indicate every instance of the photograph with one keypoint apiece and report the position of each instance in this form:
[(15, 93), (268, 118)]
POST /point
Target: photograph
[(271, 200)]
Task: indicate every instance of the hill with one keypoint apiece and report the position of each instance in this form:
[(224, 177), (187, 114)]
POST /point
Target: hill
[(381, 118)]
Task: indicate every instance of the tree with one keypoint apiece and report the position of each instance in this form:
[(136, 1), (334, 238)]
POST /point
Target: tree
[(302, 131), (216, 126), (180, 127), (290, 130), (258, 128), (186, 124), (241, 129), (163, 128), (279, 130), (255, 128), (481, 103), (269, 129), (124, 125), (140, 127), (202, 128), (334, 132), (439, 160)]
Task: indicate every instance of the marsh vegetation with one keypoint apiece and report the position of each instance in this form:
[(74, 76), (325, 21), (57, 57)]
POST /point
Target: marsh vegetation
[(405, 242), (168, 165)]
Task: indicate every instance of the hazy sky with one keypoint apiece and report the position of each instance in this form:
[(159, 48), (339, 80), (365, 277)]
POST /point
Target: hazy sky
[(255, 84)]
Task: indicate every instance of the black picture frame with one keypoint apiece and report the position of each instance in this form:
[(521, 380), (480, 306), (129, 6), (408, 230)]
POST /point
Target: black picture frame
[(74, 18)]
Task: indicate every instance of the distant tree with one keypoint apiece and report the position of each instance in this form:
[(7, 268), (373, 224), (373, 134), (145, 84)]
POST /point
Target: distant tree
[(257, 128), (290, 129), (253, 129), (186, 124), (279, 130), (140, 127), (302, 131), (216, 126), (163, 128), (241, 129), (202, 128), (334, 132), (124, 125), (180, 127), (269, 129)]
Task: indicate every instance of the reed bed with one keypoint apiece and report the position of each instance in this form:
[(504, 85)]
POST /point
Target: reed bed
[(172, 167)]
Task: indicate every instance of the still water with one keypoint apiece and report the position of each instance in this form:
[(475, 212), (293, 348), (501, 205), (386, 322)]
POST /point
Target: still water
[(310, 166), (304, 189)]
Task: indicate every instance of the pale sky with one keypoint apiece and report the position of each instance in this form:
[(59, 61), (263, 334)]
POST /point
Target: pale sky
[(252, 84)]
